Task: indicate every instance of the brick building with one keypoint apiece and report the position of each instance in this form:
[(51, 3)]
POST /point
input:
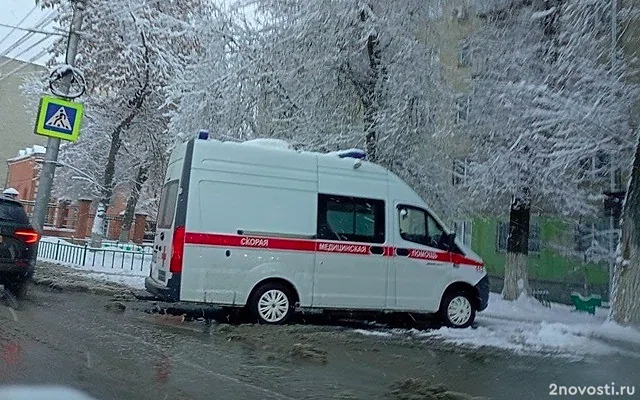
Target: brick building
[(66, 218), (23, 171)]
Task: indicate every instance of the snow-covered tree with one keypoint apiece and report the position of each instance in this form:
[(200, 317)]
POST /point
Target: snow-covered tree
[(128, 52), (323, 76), (626, 286), (547, 102)]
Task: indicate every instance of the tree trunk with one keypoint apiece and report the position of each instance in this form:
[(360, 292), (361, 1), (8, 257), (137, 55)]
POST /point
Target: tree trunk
[(97, 232), (132, 202), (369, 95), (110, 168), (516, 277), (626, 284)]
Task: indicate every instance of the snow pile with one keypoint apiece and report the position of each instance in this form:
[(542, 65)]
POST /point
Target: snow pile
[(133, 280), (112, 265), (30, 151), (10, 192), (529, 309), (372, 333), (526, 327), (37, 149), (544, 338), (53, 239)]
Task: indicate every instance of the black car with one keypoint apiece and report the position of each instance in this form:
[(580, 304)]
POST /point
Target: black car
[(18, 247)]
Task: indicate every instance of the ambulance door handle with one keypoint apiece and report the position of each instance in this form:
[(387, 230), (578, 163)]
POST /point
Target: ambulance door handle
[(402, 252), (376, 250)]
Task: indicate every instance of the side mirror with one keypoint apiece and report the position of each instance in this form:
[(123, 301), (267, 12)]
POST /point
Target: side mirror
[(450, 241)]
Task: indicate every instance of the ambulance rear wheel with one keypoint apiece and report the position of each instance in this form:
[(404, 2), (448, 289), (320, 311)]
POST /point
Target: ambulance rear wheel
[(272, 303)]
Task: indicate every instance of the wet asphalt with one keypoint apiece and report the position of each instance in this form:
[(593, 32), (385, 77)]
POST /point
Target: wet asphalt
[(76, 340)]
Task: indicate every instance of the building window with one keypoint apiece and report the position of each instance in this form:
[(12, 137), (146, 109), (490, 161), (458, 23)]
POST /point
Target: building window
[(463, 106), (463, 231), (502, 236), (459, 171), (351, 219)]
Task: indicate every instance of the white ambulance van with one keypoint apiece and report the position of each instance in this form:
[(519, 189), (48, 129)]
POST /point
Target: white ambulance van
[(277, 230)]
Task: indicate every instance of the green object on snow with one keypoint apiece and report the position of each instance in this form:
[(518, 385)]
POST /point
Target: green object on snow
[(586, 304)]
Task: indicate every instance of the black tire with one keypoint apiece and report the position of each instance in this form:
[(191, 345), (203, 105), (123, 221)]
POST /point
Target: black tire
[(272, 296), (19, 289), (458, 310)]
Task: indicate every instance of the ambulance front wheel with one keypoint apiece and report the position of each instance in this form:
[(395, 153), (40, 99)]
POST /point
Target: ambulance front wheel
[(272, 303), (458, 310)]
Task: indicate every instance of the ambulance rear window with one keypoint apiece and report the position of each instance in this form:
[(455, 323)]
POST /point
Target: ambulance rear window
[(167, 209)]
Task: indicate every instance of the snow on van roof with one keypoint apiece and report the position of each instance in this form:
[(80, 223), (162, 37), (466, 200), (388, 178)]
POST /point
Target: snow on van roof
[(348, 153), (279, 144), (270, 143)]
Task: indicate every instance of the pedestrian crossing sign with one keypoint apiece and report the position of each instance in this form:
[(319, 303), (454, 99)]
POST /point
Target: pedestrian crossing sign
[(59, 118)]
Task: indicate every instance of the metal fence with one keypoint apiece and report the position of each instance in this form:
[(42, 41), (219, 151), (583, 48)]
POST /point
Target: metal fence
[(86, 256)]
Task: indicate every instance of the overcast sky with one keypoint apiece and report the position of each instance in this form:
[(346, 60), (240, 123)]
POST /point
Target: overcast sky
[(12, 12)]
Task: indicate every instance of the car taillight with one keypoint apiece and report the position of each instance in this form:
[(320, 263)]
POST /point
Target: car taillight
[(177, 250), (29, 236)]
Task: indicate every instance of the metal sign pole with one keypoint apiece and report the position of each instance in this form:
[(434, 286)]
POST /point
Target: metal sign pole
[(45, 182)]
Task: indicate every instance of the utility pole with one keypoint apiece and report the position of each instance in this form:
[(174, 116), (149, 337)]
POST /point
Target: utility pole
[(45, 182), (612, 177)]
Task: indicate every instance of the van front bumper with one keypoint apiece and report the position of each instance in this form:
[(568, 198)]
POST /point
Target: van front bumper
[(482, 288), (159, 290)]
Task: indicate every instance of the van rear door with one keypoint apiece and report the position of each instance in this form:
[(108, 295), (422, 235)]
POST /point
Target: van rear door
[(162, 246)]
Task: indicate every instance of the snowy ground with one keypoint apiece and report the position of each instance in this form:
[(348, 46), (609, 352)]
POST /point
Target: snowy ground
[(526, 327), (110, 265)]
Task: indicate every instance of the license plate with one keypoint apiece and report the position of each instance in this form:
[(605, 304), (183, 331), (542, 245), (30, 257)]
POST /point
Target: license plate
[(162, 275)]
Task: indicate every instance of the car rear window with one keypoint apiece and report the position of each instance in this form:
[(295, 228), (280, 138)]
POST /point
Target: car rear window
[(14, 212), (167, 209)]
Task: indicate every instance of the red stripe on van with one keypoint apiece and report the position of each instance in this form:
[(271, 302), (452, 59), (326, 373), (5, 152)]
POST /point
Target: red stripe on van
[(430, 255), (258, 242), (462, 260), (211, 239), (343, 248)]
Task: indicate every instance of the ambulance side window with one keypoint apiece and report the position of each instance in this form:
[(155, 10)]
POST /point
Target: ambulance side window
[(167, 208), (352, 219), (417, 226)]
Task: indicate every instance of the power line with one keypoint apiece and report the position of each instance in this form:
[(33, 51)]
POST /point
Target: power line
[(24, 51), (32, 30), (41, 23), (19, 23), (25, 65)]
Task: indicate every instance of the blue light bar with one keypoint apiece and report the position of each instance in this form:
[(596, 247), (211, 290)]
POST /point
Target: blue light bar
[(203, 134), (359, 154)]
